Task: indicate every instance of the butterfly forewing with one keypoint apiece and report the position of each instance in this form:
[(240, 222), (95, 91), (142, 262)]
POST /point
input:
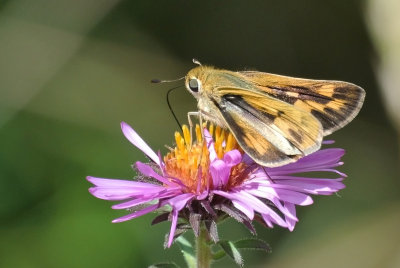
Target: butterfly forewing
[(333, 103)]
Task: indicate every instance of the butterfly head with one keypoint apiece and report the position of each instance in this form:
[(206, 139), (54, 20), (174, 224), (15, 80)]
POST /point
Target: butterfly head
[(195, 81), (202, 83)]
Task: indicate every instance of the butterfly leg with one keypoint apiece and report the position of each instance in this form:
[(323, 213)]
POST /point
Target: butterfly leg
[(189, 114)]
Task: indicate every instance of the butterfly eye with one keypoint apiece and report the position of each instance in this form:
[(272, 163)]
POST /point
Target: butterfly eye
[(194, 85)]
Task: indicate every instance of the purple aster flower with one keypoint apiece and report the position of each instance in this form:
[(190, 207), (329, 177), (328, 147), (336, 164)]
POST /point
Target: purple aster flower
[(206, 181)]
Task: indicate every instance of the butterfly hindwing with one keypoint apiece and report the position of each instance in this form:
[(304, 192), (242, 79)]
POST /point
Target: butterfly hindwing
[(271, 131)]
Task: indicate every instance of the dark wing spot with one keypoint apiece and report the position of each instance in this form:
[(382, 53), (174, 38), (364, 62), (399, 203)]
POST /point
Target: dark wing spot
[(240, 102), (304, 94), (341, 90), (315, 97), (288, 99), (346, 110), (333, 112), (296, 135), (340, 96), (270, 117), (326, 123), (299, 88)]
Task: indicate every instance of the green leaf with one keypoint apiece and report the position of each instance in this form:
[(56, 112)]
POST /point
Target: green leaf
[(253, 244), (187, 251), (164, 265), (246, 244), (231, 250), (219, 255)]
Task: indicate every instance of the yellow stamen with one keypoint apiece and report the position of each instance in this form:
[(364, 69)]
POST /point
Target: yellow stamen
[(178, 140), (217, 131), (198, 133), (186, 135), (230, 143), (187, 159), (211, 129)]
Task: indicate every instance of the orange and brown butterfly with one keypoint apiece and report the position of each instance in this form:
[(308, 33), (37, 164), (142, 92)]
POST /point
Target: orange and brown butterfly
[(275, 119)]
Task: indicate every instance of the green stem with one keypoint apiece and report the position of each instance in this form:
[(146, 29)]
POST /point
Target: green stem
[(203, 250)]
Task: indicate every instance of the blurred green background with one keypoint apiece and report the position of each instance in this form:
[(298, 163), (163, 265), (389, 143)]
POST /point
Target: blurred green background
[(71, 71)]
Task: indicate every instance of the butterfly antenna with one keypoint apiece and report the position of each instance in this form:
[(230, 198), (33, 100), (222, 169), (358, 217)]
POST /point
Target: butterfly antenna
[(158, 81)]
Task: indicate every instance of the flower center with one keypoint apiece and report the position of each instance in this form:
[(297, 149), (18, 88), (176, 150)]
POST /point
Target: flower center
[(190, 161)]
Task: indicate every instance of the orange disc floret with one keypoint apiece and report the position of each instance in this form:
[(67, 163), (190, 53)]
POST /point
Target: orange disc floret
[(189, 161)]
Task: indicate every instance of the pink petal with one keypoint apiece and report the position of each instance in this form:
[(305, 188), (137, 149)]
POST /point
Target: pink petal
[(323, 160), (245, 208), (117, 183), (287, 213), (149, 172), (281, 194), (210, 144), (137, 213), (144, 199), (232, 158), (109, 189), (258, 205), (273, 218), (177, 203), (290, 222), (180, 201), (219, 173), (112, 194), (317, 185), (133, 203), (249, 202), (136, 140), (242, 206), (173, 227)]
